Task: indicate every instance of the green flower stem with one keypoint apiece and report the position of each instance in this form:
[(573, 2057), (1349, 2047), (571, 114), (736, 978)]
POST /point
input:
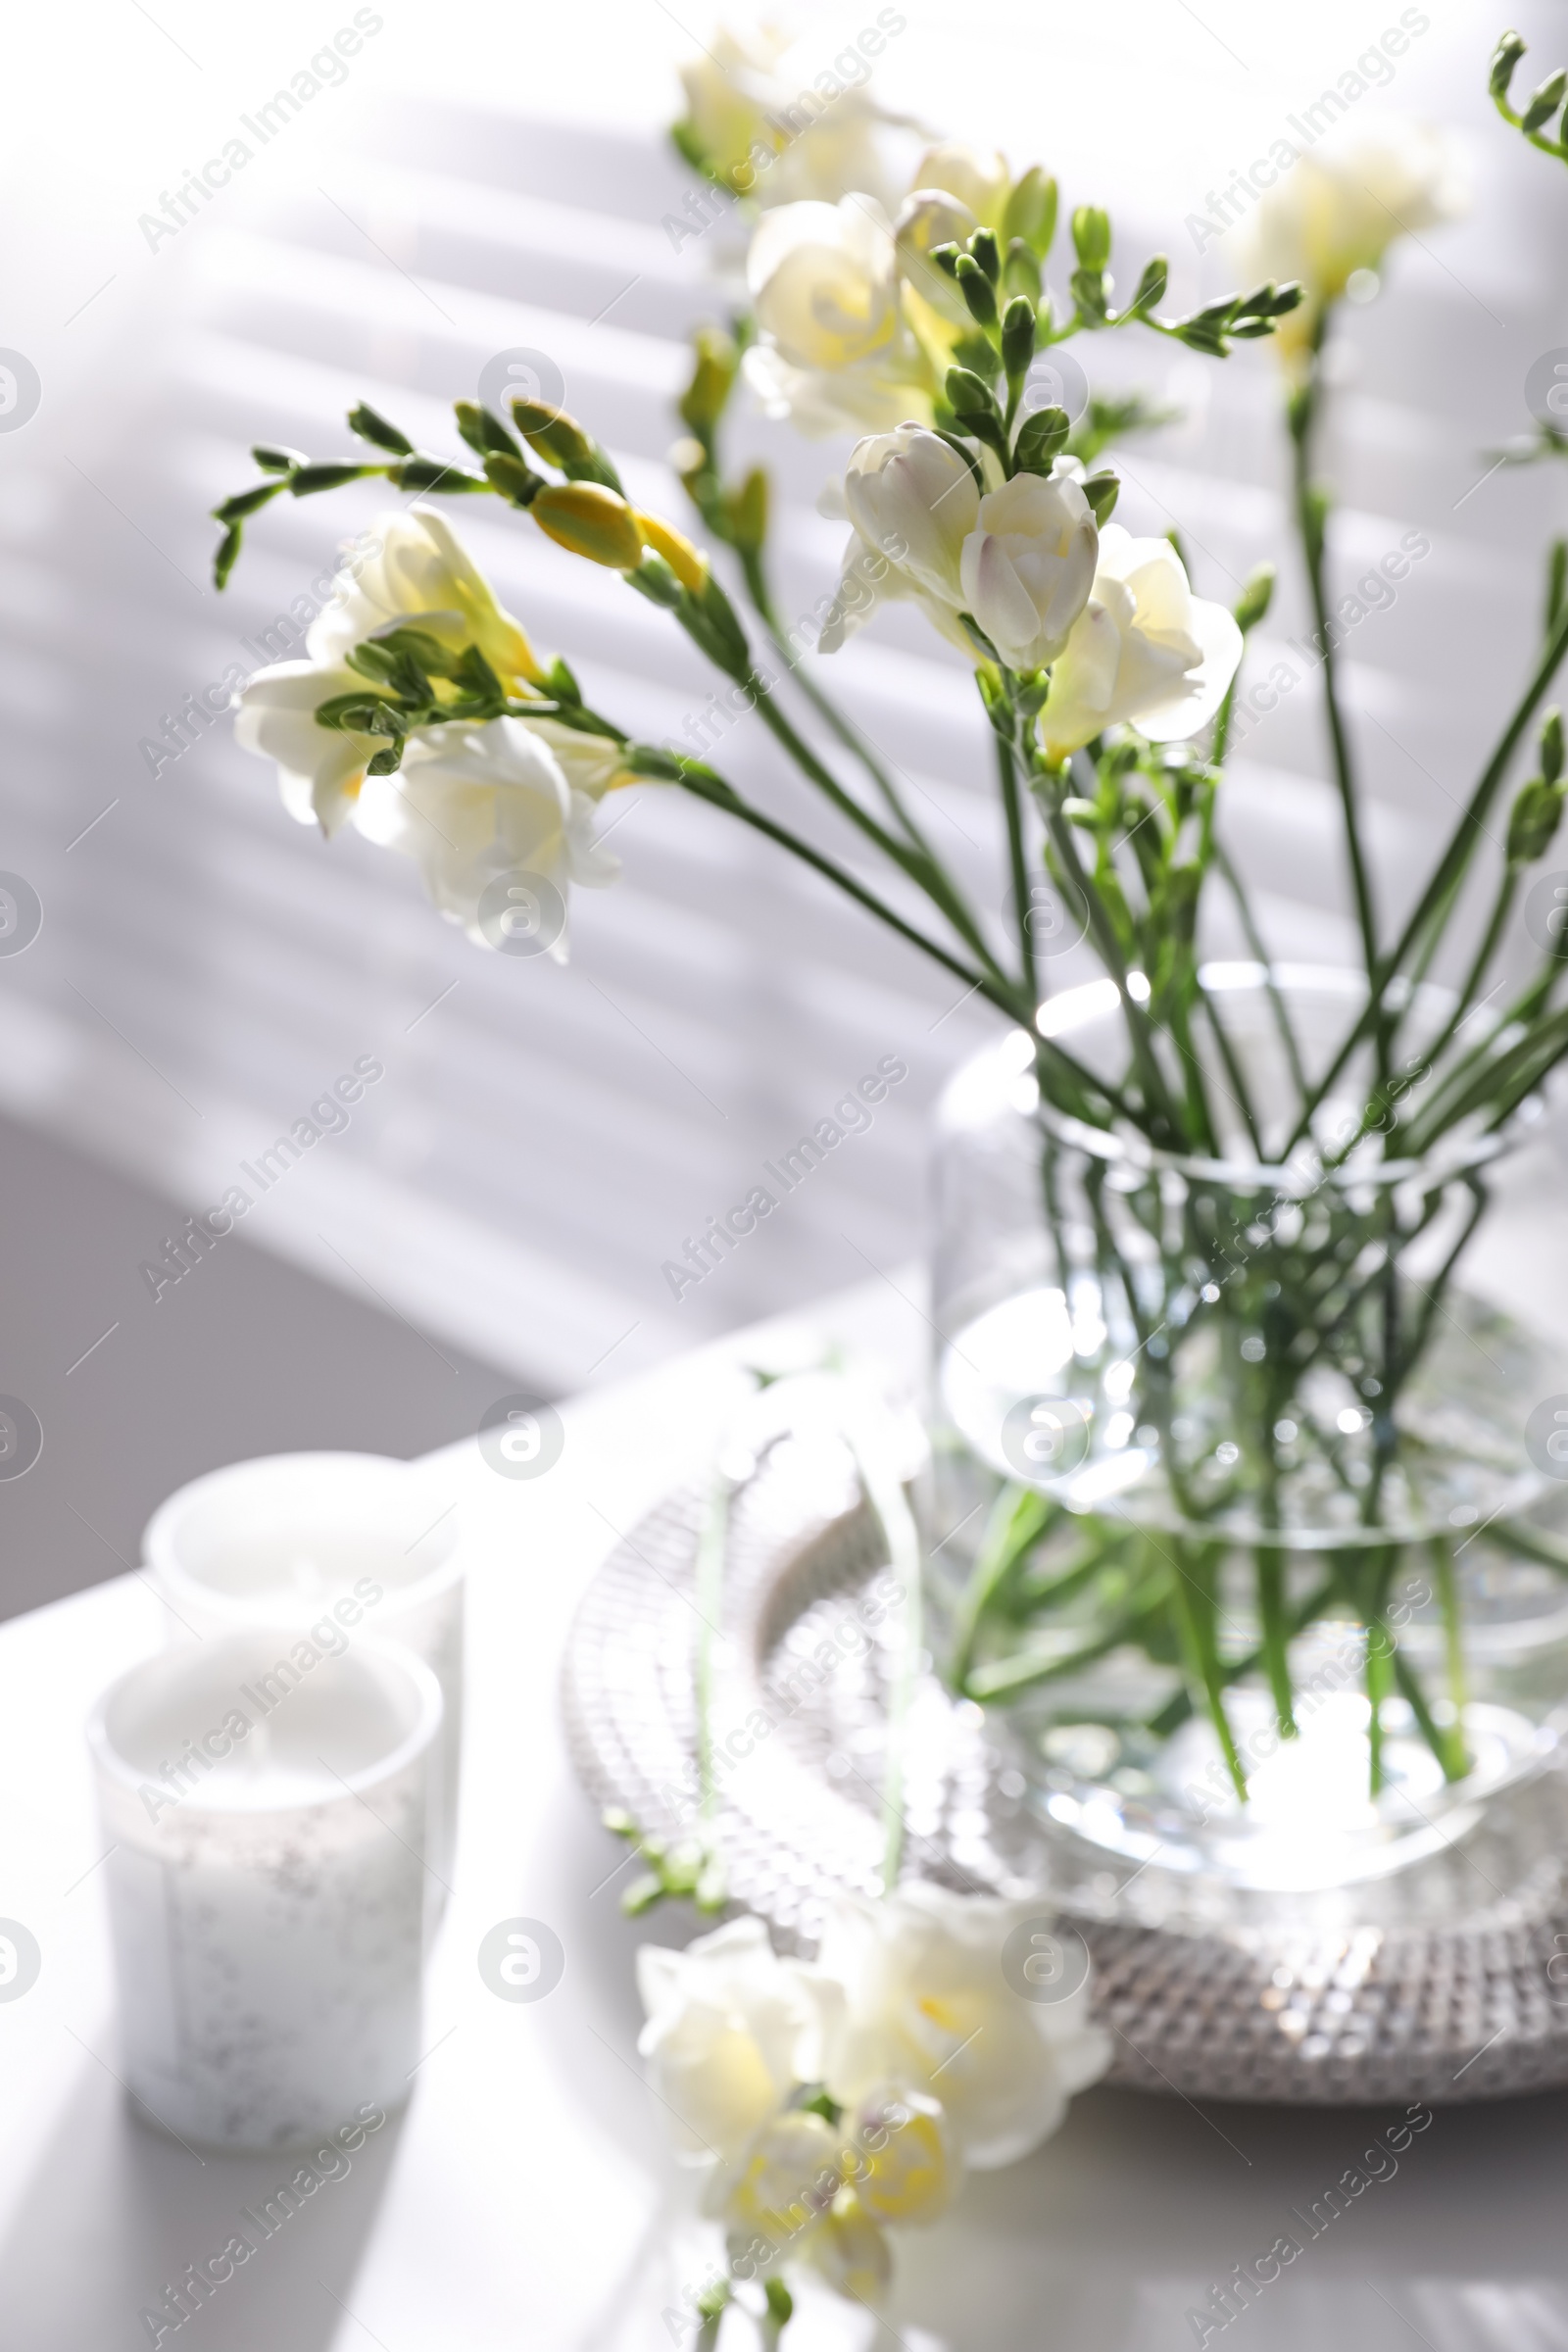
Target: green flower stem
[(1018, 1519), (1178, 1709), (1240, 1092), (1531, 1544), (920, 864), (1379, 1687), (1501, 908), (706, 785), (1275, 1650), (1453, 1643), (1004, 1677), (1446, 1745), (1022, 905), (1311, 509), (1261, 954), (1449, 872), (832, 717), (1192, 1607), (1139, 1029)]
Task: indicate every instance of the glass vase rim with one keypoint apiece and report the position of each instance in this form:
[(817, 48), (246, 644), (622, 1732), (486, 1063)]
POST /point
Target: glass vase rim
[(1448, 1160)]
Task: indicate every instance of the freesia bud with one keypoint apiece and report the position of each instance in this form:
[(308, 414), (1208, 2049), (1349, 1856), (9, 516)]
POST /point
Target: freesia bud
[(1533, 820), (689, 565), (746, 510), (591, 521), (717, 363), (552, 433), (1091, 236)]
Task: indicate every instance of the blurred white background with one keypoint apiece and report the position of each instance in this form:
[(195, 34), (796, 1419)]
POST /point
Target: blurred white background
[(486, 178)]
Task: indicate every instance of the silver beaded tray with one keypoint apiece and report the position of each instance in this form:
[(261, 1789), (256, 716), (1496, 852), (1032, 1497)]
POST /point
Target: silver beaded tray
[(1435, 1984)]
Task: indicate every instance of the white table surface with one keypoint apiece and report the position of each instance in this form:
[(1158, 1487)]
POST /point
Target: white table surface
[(516, 2202)]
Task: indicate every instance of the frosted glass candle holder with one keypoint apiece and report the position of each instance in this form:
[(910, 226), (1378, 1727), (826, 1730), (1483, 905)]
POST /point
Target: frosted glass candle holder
[(268, 1883), (327, 1548)]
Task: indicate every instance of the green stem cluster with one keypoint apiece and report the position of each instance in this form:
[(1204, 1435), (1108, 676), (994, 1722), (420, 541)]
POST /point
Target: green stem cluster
[(1126, 832)]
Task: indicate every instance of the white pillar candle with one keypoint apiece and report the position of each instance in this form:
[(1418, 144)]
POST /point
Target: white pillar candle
[(330, 1547), (268, 1883)]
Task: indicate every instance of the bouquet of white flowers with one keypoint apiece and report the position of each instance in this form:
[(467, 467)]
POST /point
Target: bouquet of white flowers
[(1227, 1220)]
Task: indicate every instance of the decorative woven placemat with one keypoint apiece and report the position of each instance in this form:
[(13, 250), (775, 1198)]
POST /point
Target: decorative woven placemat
[(1435, 1984)]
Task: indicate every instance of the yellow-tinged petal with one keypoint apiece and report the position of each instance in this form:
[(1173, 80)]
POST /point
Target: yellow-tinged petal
[(850, 2251), (591, 520), (687, 562)]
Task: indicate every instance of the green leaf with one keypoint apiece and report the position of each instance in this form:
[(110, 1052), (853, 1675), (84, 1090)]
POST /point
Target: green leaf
[(273, 460), (373, 427)]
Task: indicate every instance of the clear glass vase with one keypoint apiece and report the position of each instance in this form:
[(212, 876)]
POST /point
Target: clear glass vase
[(1245, 1525)]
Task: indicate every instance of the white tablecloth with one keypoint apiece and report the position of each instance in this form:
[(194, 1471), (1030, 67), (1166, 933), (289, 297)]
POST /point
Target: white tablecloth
[(513, 2207)]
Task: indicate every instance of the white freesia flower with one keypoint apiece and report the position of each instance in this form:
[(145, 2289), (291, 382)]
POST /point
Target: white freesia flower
[(1145, 651), (834, 348), (1028, 567), (471, 803), (910, 494), (423, 577), (419, 576), (977, 176), (1020, 558), (1339, 208), (731, 2030), (914, 503), (927, 217), (927, 2005), (775, 137)]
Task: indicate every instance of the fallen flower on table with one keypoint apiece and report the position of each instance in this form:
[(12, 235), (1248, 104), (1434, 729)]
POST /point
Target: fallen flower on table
[(832, 2104)]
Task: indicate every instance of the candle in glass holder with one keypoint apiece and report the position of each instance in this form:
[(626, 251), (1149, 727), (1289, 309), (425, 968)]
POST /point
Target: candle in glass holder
[(268, 1882), (328, 1548)]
